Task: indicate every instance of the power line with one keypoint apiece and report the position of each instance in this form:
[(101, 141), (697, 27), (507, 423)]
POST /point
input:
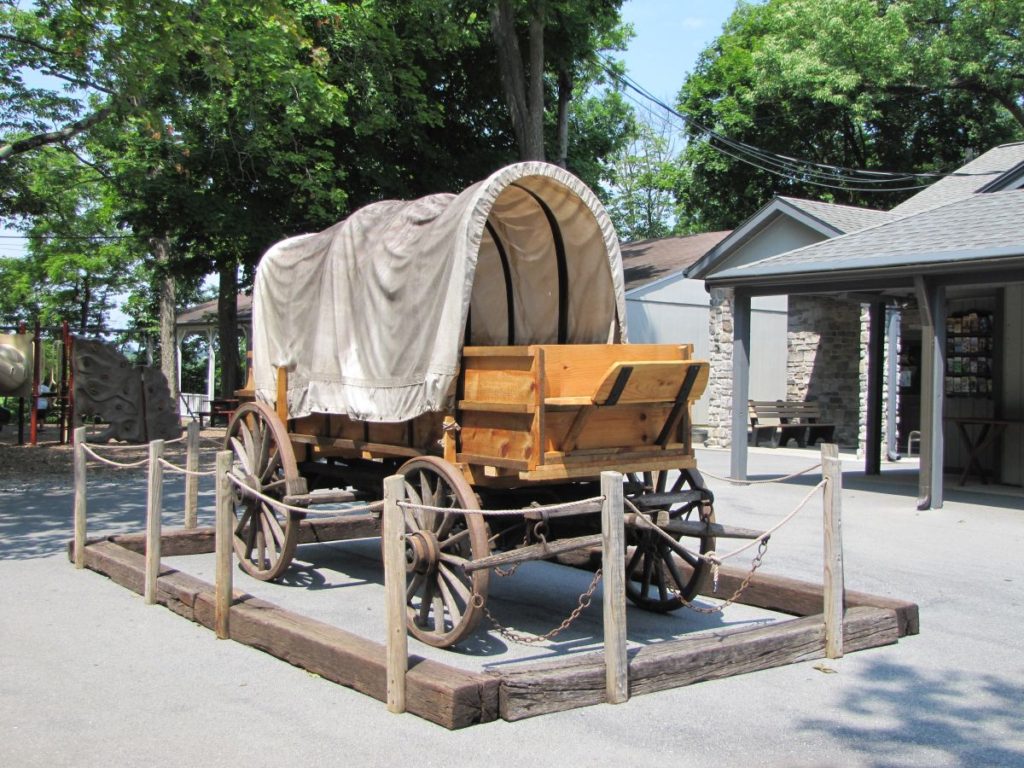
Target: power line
[(794, 169)]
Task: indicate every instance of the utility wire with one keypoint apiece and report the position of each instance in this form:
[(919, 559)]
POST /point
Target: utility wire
[(795, 169), (799, 175)]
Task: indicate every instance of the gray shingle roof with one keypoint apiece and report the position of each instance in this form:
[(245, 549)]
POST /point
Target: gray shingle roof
[(985, 225), (983, 170), (843, 218)]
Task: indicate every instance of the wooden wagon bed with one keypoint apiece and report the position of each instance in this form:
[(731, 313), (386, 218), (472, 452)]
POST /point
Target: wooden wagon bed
[(533, 414)]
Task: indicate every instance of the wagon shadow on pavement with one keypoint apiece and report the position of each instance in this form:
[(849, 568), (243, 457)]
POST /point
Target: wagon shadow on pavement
[(896, 711), (532, 602)]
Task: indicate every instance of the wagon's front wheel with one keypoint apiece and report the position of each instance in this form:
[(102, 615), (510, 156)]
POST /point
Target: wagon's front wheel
[(444, 602), (265, 536)]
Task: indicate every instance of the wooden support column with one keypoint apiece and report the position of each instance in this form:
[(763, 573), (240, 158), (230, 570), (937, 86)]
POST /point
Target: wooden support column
[(740, 382), (931, 299), (613, 568), (834, 582), (154, 505), (892, 342), (80, 497), (192, 481), (223, 545), (397, 645), (876, 371)]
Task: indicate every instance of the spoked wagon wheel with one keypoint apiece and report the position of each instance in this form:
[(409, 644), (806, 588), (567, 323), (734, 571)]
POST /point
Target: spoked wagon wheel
[(655, 579), (264, 536), (444, 602)]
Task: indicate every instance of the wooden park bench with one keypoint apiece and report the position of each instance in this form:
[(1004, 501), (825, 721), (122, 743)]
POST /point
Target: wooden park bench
[(783, 421)]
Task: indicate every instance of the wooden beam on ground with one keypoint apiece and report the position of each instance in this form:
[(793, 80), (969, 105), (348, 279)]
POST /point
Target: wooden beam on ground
[(774, 593), (444, 695), (580, 681), (456, 698)]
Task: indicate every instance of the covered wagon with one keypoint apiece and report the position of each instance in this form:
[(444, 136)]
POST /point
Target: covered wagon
[(476, 344)]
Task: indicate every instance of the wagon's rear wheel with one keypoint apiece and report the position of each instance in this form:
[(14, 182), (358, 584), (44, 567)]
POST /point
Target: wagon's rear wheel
[(444, 602), (662, 569), (264, 536)]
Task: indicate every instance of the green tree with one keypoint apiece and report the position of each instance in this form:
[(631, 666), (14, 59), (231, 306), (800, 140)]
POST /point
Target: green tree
[(909, 86), (79, 260), (561, 39), (643, 178), (217, 127)]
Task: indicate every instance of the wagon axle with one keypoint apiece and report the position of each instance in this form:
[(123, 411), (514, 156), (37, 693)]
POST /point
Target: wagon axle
[(422, 552)]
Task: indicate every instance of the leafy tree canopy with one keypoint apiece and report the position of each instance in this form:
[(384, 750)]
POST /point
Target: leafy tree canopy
[(907, 85)]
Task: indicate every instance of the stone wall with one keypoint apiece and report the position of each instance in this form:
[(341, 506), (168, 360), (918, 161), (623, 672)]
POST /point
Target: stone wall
[(824, 364), (720, 358), (824, 360), (865, 336)]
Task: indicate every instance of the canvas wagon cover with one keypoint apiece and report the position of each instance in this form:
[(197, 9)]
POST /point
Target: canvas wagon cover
[(369, 316)]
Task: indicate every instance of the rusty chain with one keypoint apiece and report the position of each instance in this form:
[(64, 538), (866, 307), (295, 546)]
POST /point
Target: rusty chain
[(518, 637), (762, 548)]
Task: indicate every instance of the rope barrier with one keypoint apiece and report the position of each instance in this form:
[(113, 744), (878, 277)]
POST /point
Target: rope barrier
[(779, 479), (124, 465), (541, 510), (125, 446), (182, 471), (715, 559)]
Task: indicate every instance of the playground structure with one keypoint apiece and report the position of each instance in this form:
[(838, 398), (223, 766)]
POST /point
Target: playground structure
[(82, 378)]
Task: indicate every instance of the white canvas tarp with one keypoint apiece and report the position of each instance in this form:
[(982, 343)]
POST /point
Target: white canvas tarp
[(369, 316)]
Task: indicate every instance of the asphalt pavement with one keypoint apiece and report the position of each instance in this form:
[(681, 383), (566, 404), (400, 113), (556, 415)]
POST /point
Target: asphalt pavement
[(90, 676)]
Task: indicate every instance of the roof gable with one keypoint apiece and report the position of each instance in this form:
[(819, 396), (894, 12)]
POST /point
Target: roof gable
[(827, 220)]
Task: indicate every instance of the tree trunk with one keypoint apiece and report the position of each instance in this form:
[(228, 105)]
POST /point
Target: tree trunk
[(525, 103), (564, 97), (84, 301), (535, 128), (168, 342), (227, 328)]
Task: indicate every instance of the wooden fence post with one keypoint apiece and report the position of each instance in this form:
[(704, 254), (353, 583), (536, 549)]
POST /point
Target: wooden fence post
[(154, 505), (393, 536), (191, 480), (613, 568), (224, 581), (79, 438), (832, 471)]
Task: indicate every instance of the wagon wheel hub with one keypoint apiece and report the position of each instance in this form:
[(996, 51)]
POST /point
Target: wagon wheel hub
[(246, 480), (422, 552)]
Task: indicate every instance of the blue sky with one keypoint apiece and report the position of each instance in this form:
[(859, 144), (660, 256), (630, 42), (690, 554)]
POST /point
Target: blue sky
[(670, 34)]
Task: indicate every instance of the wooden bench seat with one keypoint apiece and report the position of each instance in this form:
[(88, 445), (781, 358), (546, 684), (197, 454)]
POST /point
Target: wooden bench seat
[(782, 421)]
